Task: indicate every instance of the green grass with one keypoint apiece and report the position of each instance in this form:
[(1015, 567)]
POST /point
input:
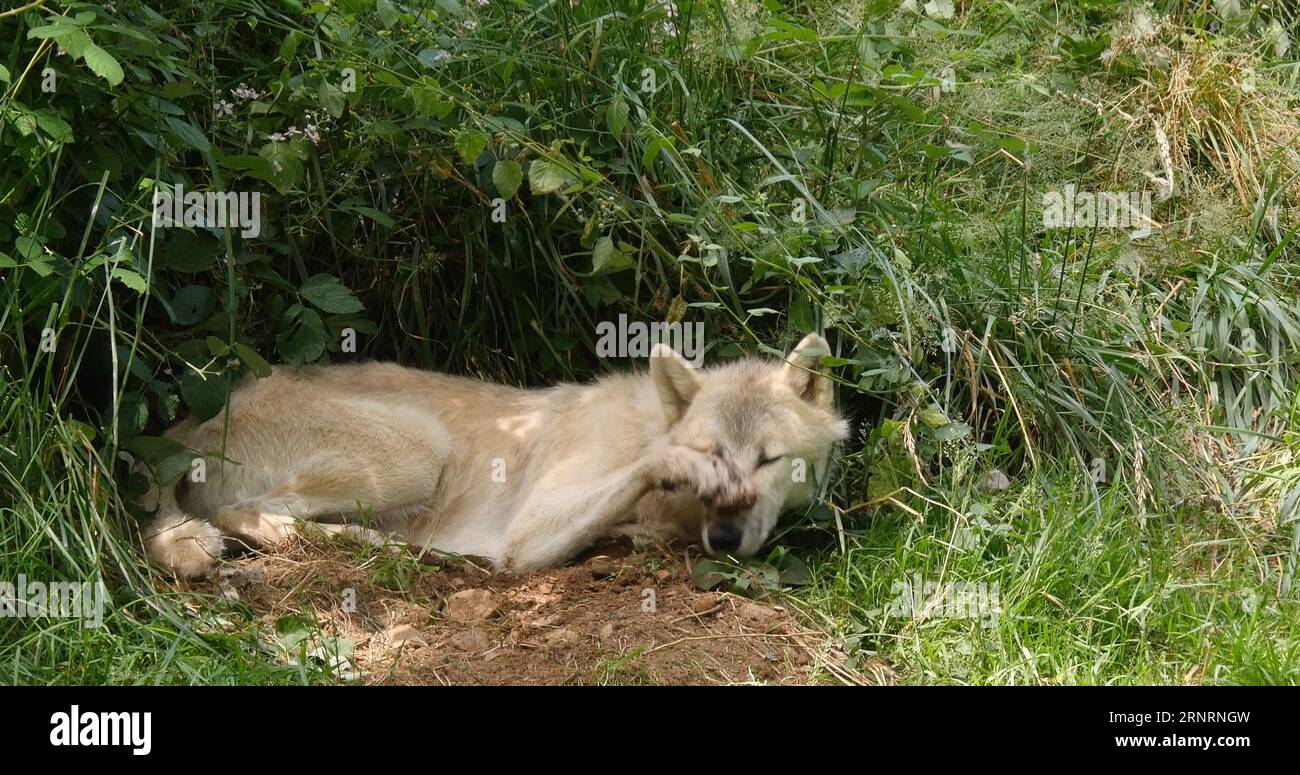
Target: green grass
[(1086, 593), (968, 338)]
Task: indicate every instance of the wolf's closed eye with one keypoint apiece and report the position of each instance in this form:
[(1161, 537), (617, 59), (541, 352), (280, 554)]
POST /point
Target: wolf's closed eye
[(764, 459)]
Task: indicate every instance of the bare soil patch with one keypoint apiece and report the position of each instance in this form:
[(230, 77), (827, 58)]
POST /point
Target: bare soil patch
[(618, 617)]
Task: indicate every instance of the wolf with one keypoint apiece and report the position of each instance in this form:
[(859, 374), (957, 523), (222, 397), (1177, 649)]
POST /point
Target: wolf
[(525, 478)]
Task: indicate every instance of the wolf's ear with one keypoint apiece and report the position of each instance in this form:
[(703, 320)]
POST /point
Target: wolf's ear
[(804, 374), (674, 380)]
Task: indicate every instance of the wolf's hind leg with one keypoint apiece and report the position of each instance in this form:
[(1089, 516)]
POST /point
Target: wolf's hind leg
[(341, 459), (252, 525), (330, 485)]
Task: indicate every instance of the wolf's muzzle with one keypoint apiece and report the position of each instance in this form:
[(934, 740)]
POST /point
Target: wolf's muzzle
[(724, 537)]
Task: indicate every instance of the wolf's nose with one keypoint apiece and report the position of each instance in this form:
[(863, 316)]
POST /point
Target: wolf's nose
[(724, 538)]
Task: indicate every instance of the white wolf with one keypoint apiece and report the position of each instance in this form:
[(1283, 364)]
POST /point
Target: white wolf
[(525, 478)]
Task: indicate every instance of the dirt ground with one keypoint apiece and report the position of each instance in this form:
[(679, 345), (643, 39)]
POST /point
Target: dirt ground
[(617, 616)]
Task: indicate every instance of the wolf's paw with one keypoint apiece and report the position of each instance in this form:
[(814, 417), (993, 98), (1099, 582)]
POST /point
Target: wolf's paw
[(183, 545), (718, 482), (731, 490), (256, 528)]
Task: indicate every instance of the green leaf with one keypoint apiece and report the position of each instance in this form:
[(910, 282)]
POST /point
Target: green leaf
[(652, 149), (85, 430), (307, 342), (545, 176), (602, 254), (331, 98), (53, 126), (794, 571), (246, 164), (205, 395), (188, 134), (29, 247), (75, 43), (40, 267), (216, 346), (103, 64), (832, 362), (286, 164), (952, 431), (934, 417), (249, 357), (176, 90), (153, 449), (170, 470), (506, 176), (190, 305), (290, 44), (380, 218), (56, 30), (294, 628), (470, 144), (428, 98), (616, 116), (707, 574), (190, 251), (130, 279), (387, 13), (329, 295)]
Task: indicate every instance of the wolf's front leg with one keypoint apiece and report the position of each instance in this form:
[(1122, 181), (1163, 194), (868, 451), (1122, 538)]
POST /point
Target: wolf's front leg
[(567, 512)]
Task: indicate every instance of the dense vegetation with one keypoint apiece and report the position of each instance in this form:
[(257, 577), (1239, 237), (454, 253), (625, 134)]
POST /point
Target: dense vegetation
[(1099, 421)]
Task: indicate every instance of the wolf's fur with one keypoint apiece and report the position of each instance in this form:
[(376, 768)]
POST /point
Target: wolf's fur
[(526, 478)]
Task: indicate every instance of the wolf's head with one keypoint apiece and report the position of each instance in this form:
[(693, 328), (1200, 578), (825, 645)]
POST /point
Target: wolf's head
[(773, 420)]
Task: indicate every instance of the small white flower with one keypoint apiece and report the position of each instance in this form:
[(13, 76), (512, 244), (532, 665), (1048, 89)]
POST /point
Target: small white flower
[(312, 134), (669, 25), (222, 108), (277, 166), (293, 132), (243, 92), (470, 24)]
